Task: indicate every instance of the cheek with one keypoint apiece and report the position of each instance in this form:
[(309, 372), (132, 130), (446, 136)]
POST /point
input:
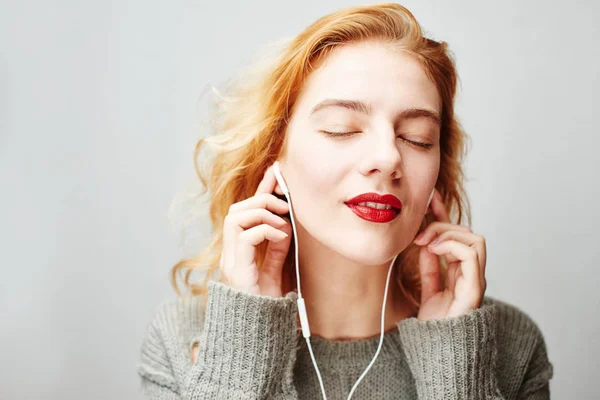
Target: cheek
[(316, 177), (318, 167), (421, 167)]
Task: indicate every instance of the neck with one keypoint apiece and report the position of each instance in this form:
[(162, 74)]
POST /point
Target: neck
[(344, 298)]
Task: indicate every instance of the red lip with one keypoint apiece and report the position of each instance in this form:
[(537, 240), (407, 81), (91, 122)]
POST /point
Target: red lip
[(377, 198), (371, 214)]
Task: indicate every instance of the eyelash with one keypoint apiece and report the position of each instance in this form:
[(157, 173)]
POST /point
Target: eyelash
[(420, 144)]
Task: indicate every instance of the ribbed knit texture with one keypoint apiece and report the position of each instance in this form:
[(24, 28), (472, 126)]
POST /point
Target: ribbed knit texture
[(250, 347)]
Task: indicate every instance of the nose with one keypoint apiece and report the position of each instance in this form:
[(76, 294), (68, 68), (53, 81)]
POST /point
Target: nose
[(382, 155)]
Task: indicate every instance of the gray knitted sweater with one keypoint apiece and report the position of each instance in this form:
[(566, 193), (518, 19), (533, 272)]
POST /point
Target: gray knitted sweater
[(250, 347)]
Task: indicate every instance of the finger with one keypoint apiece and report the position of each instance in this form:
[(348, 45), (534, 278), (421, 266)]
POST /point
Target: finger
[(429, 268), (241, 217), (469, 263), (438, 208), (436, 228), (238, 222), (470, 239), (246, 246), (268, 184), (271, 271), (252, 217), (261, 200)]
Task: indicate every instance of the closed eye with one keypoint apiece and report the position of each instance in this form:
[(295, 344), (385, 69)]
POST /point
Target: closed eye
[(335, 134), (424, 145)]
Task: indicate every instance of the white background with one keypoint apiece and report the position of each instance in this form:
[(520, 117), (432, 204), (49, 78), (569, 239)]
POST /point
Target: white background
[(100, 105)]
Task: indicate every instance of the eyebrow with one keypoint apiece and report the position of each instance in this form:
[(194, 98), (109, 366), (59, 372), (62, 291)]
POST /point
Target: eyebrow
[(357, 105)]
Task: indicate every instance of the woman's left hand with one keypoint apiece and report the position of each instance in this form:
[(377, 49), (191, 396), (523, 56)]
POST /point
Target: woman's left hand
[(465, 255)]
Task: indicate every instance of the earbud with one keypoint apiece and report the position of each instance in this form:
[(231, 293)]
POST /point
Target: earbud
[(279, 178)]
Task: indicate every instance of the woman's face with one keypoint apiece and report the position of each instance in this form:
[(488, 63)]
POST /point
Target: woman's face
[(382, 90)]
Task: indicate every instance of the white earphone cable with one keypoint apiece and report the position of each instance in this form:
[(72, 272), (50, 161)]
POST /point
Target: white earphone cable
[(382, 328), (301, 306), (304, 318)]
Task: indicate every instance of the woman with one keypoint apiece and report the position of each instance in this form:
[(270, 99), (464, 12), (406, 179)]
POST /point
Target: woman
[(358, 112)]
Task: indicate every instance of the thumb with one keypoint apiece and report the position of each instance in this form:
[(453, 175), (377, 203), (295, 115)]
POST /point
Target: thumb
[(429, 267)]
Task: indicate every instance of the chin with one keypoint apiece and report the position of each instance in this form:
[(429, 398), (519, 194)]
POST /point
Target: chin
[(367, 255)]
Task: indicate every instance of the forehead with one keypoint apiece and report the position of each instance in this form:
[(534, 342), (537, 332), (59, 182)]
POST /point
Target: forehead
[(373, 73)]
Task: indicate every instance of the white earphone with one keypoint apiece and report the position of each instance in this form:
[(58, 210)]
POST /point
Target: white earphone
[(279, 178), (301, 304), (430, 197)]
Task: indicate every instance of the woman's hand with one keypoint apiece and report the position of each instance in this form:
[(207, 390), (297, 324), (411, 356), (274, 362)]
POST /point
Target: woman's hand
[(247, 224), (465, 255)]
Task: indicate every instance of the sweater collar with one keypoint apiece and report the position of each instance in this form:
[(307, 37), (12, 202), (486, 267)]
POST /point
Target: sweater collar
[(356, 353)]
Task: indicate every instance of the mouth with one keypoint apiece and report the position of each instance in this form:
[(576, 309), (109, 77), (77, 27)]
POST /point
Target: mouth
[(378, 206), (374, 207), (379, 215)]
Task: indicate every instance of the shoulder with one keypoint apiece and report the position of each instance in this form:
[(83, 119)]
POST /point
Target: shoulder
[(166, 347), (521, 345)]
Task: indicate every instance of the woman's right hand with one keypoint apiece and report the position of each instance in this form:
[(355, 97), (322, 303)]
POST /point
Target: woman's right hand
[(247, 224)]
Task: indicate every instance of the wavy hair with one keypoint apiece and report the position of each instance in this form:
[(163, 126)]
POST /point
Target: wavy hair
[(248, 124)]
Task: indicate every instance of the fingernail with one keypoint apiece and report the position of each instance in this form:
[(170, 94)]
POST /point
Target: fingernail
[(436, 241), (419, 236)]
